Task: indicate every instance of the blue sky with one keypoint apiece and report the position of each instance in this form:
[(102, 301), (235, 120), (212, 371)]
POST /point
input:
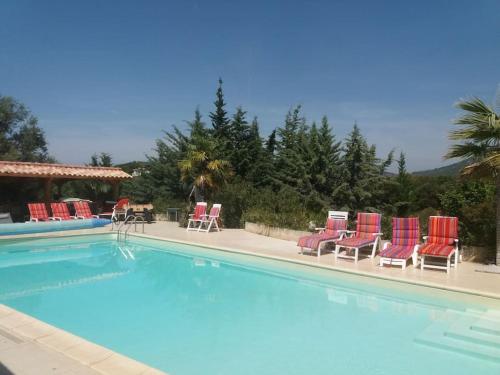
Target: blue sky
[(110, 76)]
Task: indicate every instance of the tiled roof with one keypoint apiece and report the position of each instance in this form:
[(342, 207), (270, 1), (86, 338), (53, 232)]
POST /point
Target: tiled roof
[(22, 169)]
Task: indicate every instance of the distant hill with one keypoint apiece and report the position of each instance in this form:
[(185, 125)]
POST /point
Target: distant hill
[(131, 166), (449, 170)]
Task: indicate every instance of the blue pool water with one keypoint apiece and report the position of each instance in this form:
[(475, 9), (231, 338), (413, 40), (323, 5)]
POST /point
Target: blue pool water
[(189, 310)]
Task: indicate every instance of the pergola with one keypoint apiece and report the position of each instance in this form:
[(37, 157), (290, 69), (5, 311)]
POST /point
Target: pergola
[(60, 173)]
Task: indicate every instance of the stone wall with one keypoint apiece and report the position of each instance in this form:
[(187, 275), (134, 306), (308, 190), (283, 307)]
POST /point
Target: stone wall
[(281, 233)]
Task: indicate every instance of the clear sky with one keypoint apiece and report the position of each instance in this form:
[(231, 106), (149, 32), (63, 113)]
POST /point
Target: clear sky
[(111, 75)]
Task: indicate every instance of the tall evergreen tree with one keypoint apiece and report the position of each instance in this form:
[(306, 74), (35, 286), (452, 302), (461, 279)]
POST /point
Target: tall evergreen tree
[(363, 174), (221, 126), (241, 154), (404, 187), (328, 160), (291, 159), (261, 169), (271, 143)]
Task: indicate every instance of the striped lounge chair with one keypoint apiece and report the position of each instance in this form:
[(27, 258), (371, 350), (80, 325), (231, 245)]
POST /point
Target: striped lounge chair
[(210, 220), (367, 233), (334, 230), (38, 212), (200, 212), (442, 242), (82, 210), (60, 211), (404, 244)]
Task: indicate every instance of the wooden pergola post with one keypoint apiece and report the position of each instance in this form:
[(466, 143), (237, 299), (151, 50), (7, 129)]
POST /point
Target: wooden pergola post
[(47, 195), (115, 186)]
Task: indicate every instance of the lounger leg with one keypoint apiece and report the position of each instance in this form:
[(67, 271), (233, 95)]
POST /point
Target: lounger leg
[(356, 251), (337, 249), (422, 260), (374, 248), (448, 260), (210, 225), (403, 265), (456, 258)]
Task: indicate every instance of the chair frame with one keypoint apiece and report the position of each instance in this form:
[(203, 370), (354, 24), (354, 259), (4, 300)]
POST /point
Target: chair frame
[(355, 257), (340, 215), (449, 264), (193, 220), (210, 220)]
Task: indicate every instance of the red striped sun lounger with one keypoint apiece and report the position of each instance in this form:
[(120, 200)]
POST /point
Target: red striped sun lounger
[(334, 230), (404, 244), (82, 210), (38, 212), (442, 242), (367, 234), (60, 211)]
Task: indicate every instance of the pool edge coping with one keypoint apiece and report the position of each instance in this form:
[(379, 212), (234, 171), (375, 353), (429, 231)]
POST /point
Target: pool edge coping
[(94, 356), (427, 284), (421, 283)]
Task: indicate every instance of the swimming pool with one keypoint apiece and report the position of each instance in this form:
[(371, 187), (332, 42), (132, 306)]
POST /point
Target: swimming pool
[(191, 310)]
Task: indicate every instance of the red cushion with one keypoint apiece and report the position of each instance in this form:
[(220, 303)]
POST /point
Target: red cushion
[(443, 230), (405, 231), (38, 211), (83, 209), (313, 241), (397, 252), (437, 250), (60, 210), (199, 211), (367, 224)]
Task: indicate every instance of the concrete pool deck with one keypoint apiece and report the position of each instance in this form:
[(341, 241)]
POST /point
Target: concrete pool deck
[(465, 278), (29, 346)]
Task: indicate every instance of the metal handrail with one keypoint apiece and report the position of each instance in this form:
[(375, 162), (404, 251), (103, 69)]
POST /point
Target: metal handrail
[(122, 225)]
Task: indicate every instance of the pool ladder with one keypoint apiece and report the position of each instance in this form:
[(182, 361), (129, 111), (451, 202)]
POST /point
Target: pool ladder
[(124, 227)]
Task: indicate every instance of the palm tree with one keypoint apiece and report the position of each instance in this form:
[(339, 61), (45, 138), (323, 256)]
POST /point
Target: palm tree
[(479, 134), (202, 170)]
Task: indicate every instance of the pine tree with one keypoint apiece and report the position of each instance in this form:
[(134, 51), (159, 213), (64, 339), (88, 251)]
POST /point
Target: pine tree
[(261, 168), (363, 174), (328, 160), (271, 143), (404, 188), (291, 158), (197, 126), (221, 125), (241, 153)]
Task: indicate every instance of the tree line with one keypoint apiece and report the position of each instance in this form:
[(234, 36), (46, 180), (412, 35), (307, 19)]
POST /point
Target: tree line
[(299, 171), (288, 179)]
